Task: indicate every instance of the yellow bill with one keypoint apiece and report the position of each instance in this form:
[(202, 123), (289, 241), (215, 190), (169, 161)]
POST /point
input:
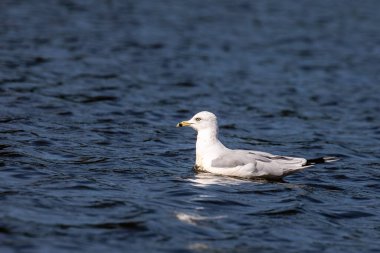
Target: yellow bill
[(183, 124)]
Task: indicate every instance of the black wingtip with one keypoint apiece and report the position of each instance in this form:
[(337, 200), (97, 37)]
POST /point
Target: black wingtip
[(325, 159)]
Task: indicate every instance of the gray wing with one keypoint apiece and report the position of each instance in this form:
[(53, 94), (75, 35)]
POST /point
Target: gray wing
[(263, 161), (235, 158)]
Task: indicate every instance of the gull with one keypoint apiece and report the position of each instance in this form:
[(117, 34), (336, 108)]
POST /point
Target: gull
[(212, 156)]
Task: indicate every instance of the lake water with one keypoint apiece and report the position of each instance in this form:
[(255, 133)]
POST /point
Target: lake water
[(90, 93)]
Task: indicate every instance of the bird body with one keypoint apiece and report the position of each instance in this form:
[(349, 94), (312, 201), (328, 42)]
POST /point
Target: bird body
[(212, 156)]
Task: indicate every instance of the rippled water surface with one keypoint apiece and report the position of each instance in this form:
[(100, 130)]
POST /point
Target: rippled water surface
[(90, 93)]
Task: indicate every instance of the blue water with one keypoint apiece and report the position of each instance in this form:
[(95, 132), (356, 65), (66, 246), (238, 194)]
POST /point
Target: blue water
[(90, 93)]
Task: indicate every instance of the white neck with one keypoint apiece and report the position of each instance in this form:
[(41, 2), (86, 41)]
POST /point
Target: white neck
[(207, 139), (207, 136)]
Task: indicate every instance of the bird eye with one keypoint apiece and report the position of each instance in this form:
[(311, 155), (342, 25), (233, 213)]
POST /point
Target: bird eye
[(197, 119)]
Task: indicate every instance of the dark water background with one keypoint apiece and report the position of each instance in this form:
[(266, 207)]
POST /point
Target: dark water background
[(91, 91)]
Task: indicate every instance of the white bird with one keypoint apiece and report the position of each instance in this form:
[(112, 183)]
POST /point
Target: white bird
[(212, 156)]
